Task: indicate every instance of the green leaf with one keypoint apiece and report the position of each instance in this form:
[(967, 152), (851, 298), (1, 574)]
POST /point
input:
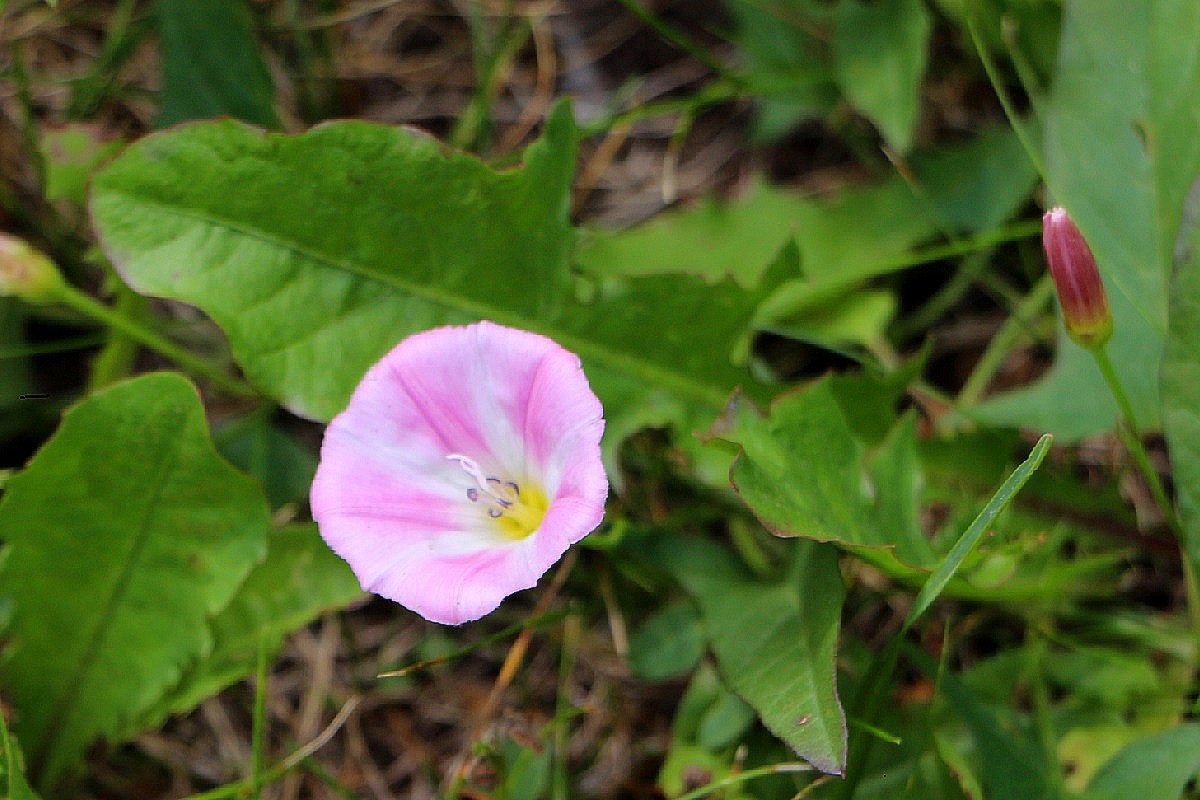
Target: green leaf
[(71, 153), (668, 644), (12, 768), (267, 451), (843, 240), (1121, 152), (125, 535), (776, 642), (829, 498), (1157, 767), (967, 542), (317, 253), (211, 63), (1181, 383), (786, 60), (298, 580), (880, 51)]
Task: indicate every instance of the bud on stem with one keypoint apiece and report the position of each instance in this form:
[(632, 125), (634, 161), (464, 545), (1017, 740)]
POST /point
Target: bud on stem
[(1077, 280), (26, 273)]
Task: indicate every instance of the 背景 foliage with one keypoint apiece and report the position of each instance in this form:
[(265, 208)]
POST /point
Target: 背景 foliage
[(141, 572), (123, 537)]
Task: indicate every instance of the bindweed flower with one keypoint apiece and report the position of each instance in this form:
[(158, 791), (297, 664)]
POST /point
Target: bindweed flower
[(464, 466), (27, 273), (1077, 280)]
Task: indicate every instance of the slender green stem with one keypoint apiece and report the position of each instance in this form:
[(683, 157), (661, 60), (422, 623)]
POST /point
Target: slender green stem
[(1132, 439), (560, 787), (1004, 341), (717, 91), (269, 776), (676, 37), (989, 66), (742, 777), (258, 728), (84, 304)]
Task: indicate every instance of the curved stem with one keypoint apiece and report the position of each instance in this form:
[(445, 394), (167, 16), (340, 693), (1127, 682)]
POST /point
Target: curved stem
[(86, 305), (1131, 437), (1010, 111)]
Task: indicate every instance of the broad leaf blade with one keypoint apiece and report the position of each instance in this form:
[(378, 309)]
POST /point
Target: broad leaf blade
[(316, 253), (1181, 382), (775, 642), (125, 534), (299, 578), (1157, 767), (211, 64), (828, 498), (880, 53), (1121, 150)]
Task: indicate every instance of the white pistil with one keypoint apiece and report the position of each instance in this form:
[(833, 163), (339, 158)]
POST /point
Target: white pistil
[(488, 485)]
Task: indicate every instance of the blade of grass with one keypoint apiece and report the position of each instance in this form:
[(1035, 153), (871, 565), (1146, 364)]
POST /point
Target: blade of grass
[(869, 698), (967, 542)]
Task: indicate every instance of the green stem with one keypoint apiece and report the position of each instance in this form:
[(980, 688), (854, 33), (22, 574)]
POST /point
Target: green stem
[(1004, 341), (989, 66), (1130, 434), (742, 777), (84, 304), (269, 776), (258, 728), (676, 37)]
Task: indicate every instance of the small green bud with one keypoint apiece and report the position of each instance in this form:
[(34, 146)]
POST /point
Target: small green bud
[(1077, 280), (27, 273)]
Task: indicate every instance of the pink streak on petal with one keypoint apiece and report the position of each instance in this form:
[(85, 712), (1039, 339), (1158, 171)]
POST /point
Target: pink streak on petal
[(564, 419)]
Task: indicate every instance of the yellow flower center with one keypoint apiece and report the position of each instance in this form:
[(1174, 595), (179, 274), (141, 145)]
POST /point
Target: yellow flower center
[(515, 510), (525, 513)]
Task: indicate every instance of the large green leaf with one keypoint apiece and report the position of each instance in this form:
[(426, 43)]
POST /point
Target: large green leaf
[(855, 234), (300, 578), (317, 253), (1157, 767), (211, 64), (843, 240), (125, 535), (880, 51), (775, 642), (1181, 383), (12, 768), (831, 497), (1121, 150)]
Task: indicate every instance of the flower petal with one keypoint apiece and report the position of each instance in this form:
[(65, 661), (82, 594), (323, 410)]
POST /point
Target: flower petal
[(413, 525)]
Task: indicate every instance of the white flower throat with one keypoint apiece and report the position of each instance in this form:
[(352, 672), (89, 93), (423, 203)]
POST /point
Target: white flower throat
[(515, 512)]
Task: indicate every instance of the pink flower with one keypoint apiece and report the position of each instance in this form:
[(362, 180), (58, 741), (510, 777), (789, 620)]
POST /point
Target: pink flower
[(465, 465)]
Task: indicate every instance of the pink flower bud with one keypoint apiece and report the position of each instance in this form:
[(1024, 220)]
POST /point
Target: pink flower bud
[(26, 273), (1076, 279)]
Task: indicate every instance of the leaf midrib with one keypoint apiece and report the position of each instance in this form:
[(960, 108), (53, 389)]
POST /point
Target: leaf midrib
[(711, 395), (64, 705)]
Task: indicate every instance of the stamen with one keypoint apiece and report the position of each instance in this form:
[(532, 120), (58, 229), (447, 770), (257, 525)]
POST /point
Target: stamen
[(503, 493), (515, 516)]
